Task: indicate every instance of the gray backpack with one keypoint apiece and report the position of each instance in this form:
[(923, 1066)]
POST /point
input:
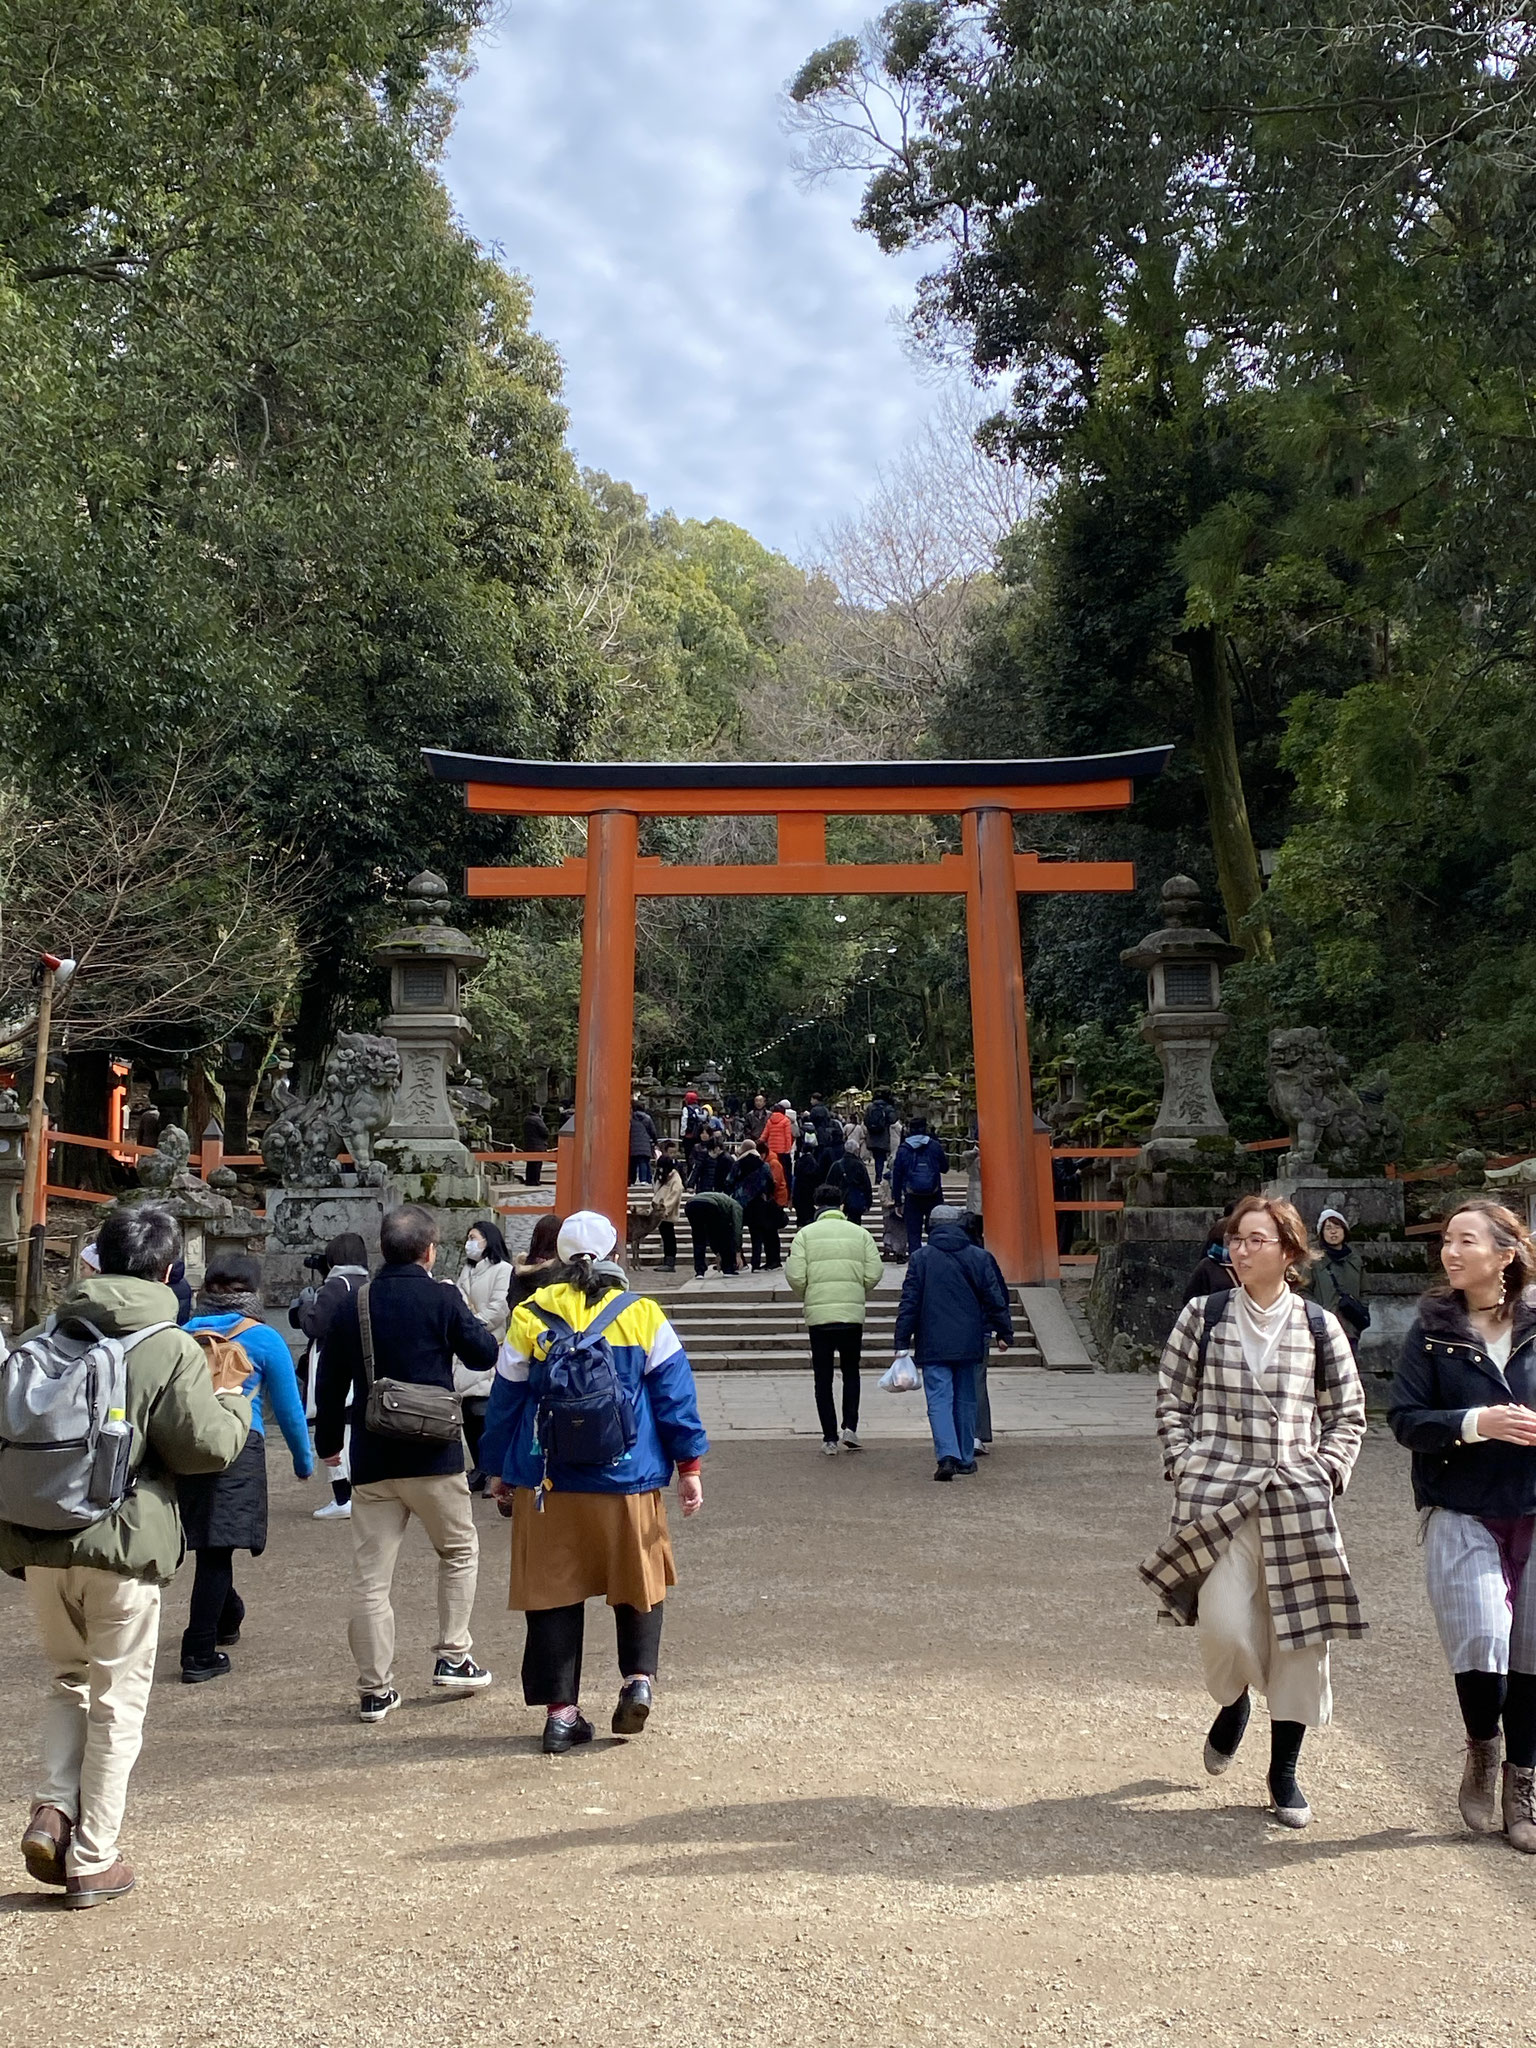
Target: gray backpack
[(66, 1445)]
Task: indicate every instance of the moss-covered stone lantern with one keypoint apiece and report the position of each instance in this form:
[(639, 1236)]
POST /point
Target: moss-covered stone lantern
[(429, 962)]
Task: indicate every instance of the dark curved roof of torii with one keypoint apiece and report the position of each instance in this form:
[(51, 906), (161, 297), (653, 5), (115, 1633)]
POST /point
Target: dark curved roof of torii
[(1138, 766)]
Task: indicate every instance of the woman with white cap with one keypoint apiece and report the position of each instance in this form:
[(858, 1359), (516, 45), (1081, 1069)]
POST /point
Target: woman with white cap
[(1337, 1281), (584, 1530)]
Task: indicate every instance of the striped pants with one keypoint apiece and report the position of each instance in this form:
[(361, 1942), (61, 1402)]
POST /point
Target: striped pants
[(1483, 1627)]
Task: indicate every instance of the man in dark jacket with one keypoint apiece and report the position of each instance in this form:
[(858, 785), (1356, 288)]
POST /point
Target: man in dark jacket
[(535, 1139), (850, 1176), (419, 1327), (878, 1119), (754, 1190), (642, 1143), (917, 1178), (952, 1296)]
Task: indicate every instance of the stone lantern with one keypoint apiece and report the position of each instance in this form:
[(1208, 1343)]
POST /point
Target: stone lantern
[(1185, 1022), (1190, 1169), (429, 963)]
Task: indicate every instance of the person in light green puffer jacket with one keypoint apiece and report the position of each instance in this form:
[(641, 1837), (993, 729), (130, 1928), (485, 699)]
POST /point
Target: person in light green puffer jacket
[(95, 1592), (834, 1266)]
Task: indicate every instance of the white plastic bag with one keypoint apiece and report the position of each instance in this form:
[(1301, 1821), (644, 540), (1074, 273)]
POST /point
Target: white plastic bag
[(901, 1376)]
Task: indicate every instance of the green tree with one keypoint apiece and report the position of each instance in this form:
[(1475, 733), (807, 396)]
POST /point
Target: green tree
[(282, 460)]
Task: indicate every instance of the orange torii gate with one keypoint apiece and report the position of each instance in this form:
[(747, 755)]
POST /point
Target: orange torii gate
[(613, 797)]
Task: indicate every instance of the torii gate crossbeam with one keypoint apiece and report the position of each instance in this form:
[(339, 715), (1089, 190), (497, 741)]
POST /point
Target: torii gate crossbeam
[(1017, 1195)]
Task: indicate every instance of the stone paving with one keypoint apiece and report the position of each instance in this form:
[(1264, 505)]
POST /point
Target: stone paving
[(1026, 1403)]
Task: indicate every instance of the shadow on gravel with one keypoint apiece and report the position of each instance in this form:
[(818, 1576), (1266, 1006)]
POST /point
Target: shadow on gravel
[(31, 1902), (1088, 1835)]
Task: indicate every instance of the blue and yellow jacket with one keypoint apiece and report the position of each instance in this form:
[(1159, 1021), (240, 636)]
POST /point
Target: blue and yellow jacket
[(653, 1369)]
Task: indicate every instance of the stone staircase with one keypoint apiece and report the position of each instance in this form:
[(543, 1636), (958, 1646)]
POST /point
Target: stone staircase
[(754, 1324)]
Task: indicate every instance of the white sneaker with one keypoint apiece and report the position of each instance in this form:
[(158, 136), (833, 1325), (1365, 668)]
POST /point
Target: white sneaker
[(983, 1451), (829, 1450), (851, 1439), (334, 1511)]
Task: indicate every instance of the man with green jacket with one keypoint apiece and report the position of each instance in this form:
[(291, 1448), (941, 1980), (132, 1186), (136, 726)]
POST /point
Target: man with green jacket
[(95, 1591), (834, 1266)]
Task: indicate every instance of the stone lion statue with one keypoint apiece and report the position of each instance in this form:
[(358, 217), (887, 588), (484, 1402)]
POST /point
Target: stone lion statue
[(356, 1100), (1333, 1129), (169, 1160)]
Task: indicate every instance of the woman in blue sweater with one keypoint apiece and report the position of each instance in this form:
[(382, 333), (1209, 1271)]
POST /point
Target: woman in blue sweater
[(227, 1511)]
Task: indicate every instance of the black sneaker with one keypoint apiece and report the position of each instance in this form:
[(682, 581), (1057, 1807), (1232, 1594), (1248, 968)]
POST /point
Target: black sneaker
[(559, 1736), (965, 1471), (947, 1468), (373, 1706), (199, 1674), (465, 1676), (634, 1708)]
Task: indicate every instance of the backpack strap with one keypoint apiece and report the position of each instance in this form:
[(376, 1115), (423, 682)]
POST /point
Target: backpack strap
[(605, 1315), (1215, 1308), (365, 1334), (149, 1330), (1317, 1322)]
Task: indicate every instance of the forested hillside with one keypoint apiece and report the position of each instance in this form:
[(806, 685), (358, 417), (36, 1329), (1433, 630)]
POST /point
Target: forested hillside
[(286, 493)]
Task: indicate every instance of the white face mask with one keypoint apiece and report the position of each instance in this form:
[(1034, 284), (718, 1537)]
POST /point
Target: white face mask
[(474, 1250)]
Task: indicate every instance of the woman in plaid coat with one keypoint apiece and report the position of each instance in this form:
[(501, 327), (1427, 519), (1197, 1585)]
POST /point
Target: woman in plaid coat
[(1259, 1435)]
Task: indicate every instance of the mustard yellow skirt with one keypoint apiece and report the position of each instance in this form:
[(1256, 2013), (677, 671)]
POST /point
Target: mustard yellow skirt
[(590, 1546)]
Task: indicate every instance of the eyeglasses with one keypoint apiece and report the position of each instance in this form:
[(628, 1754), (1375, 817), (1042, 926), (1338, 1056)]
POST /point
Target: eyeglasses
[(1250, 1244)]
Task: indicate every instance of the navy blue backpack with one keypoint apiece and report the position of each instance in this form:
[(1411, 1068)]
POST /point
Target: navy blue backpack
[(923, 1174), (583, 1416)]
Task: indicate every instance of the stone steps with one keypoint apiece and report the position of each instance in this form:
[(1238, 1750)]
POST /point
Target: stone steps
[(754, 1324)]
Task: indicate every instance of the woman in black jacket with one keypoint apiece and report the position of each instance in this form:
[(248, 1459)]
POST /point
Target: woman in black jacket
[(1464, 1402)]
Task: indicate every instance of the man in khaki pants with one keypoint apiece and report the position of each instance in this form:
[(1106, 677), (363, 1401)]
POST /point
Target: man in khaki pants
[(95, 1591), (419, 1326)]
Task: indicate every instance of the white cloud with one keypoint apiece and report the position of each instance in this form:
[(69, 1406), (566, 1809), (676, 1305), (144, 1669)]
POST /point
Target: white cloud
[(732, 344)]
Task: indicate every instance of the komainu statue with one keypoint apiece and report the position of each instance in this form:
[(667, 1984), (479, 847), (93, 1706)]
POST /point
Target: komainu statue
[(1334, 1131), (355, 1102)]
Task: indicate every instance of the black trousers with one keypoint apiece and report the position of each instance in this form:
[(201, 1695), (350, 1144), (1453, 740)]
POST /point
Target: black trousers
[(712, 1232), (763, 1222), (916, 1210), (668, 1243), (552, 1653), (533, 1173), (474, 1408), (216, 1609), (831, 1343)]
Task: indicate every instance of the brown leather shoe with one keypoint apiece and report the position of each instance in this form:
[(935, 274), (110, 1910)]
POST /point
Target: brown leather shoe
[(1479, 1795), (1520, 1808), (100, 1886), (44, 1843)]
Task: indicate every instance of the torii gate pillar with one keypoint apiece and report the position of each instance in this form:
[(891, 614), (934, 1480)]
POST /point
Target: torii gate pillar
[(1020, 1213), (606, 1030)]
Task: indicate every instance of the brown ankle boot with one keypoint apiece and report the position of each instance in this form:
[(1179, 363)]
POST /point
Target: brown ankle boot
[(1479, 1796), (1520, 1808), (44, 1844)]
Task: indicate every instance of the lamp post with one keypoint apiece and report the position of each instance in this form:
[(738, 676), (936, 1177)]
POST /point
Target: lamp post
[(53, 973)]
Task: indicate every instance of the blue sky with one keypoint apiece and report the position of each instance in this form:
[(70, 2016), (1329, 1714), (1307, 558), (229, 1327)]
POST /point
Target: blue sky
[(729, 339)]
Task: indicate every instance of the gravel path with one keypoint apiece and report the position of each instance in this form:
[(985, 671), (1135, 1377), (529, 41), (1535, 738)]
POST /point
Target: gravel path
[(922, 1770)]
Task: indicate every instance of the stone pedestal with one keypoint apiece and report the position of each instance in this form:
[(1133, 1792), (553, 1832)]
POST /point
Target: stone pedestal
[(304, 1220), (1372, 1207), (1139, 1282)]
